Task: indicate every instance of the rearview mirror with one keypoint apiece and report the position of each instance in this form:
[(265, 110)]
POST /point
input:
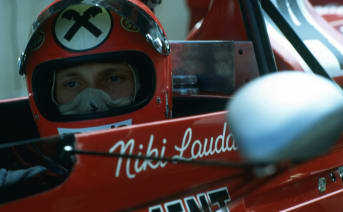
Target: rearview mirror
[(286, 116)]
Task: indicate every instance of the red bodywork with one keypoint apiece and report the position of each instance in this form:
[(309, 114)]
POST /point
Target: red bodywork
[(109, 184)]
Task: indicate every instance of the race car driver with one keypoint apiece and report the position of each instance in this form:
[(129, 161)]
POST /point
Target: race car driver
[(95, 66)]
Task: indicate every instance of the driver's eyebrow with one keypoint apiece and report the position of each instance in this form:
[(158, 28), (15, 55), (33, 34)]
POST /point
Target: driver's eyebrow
[(115, 69), (67, 74), (70, 75), (119, 66)]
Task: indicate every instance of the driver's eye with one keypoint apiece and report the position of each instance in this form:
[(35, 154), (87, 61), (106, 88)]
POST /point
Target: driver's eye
[(114, 78), (71, 84)]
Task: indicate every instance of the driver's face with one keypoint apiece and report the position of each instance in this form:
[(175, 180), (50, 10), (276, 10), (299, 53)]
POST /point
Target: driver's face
[(116, 79)]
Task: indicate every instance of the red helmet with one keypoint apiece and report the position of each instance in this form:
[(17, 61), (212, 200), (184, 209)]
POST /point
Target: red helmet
[(114, 35)]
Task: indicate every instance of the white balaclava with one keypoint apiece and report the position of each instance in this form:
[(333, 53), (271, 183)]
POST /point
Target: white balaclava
[(92, 100)]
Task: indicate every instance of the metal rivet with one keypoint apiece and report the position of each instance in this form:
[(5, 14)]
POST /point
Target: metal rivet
[(332, 176), (340, 172), (68, 148), (264, 171), (321, 184), (36, 117), (158, 100)]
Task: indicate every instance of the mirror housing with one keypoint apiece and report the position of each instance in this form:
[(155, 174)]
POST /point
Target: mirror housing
[(287, 115)]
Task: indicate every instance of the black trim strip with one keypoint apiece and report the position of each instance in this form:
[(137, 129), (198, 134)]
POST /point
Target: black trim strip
[(257, 32), (65, 139), (210, 163)]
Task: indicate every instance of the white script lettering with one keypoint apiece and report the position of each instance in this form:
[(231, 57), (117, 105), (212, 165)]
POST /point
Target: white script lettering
[(190, 148)]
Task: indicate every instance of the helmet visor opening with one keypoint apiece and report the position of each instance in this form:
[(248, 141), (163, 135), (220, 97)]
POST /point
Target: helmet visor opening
[(93, 86)]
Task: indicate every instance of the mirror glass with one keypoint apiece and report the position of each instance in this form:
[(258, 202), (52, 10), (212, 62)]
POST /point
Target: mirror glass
[(286, 116)]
